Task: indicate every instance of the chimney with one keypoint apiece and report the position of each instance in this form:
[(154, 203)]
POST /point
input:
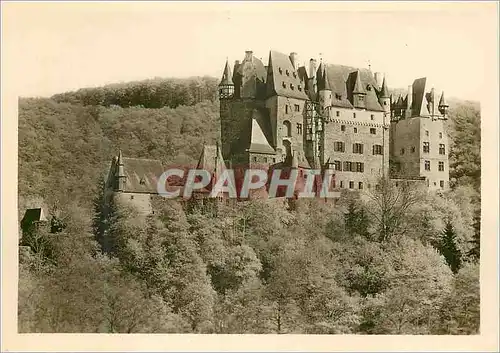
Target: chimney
[(379, 78), (312, 68), (248, 55), (409, 102), (294, 59)]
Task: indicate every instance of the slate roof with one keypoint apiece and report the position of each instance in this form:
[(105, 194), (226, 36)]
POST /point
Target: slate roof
[(141, 174), (282, 78), (261, 133), (227, 78), (342, 80)]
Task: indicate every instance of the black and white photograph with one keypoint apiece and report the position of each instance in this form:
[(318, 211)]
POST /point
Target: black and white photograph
[(254, 169)]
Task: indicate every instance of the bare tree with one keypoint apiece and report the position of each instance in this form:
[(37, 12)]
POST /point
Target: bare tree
[(389, 205)]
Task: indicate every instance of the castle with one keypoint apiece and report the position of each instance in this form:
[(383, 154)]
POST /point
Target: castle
[(322, 116)]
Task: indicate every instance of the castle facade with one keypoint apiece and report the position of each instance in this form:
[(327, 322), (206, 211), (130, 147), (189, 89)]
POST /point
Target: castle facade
[(323, 116)]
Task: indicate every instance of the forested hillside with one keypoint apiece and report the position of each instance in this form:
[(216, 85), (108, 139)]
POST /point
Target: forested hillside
[(362, 267)]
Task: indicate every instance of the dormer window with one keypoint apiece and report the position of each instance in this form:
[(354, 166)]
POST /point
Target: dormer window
[(295, 75), (338, 96), (281, 71), (368, 87), (299, 87), (283, 84), (287, 73), (292, 86), (142, 181)]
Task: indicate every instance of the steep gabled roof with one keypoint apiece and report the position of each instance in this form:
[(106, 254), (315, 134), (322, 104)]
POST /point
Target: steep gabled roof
[(419, 107), (141, 174), (358, 86), (282, 78), (260, 135)]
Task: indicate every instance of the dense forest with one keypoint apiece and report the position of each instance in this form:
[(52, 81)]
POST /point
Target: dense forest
[(396, 261)]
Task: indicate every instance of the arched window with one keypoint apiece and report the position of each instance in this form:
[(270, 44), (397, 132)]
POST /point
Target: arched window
[(287, 126)]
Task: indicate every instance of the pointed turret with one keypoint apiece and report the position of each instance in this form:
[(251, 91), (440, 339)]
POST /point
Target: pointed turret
[(295, 160), (227, 78), (226, 86), (384, 91), (443, 106), (325, 93), (384, 97)]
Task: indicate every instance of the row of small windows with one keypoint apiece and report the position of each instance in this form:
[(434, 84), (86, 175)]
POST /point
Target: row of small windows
[(287, 72), (264, 159), (427, 166), (337, 113), (427, 149), (373, 130), (352, 184), (348, 166), (292, 86), (427, 134), (339, 146)]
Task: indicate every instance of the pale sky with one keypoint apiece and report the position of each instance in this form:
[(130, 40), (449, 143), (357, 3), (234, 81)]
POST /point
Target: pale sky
[(54, 48)]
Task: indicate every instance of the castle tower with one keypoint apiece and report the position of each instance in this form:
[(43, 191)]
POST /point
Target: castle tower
[(443, 106), (384, 97), (312, 83), (120, 173), (359, 93), (226, 86), (325, 94)]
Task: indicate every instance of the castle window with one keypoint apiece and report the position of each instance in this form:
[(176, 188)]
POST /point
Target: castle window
[(299, 87), (283, 84), (281, 71), (342, 127), (360, 185), (385, 102), (297, 108), (286, 109), (265, 159), (413, 149), (441, 148), (274, 160), (348, 167), (288, 128), (368, 87), (373, 131), (294, 74), (360, 167), (354, 115), (131, 197), (440, 135), (377, 149), (142, 181), (255, 159), (355, 130), (426, 132), (372, 116), (351, 185), (338, 165), (337, 113), (338, 96), (402, 151), (341, 183), (441, 183), (357, 148), (441, 166), (427, 147), (339, 146), (299, 129), (287, 73), (292, 86), (427, 165)]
